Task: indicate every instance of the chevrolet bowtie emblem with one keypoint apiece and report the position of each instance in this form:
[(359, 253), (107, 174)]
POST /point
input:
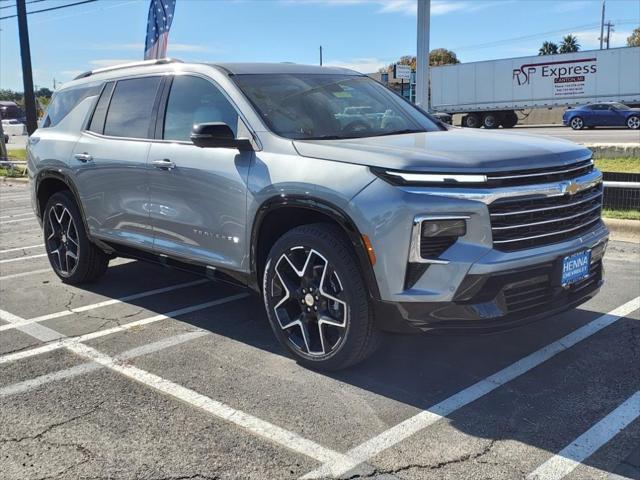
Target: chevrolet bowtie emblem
[(572, 188)]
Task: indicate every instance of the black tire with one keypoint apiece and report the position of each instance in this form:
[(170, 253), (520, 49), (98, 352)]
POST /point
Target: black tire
[(295, 301), (65, 237), (633, 122), (472, 121), (490, 120), (576, 123), (509, 120)]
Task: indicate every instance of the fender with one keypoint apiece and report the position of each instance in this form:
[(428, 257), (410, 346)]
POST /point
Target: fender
[(323, 207), (66, 179)]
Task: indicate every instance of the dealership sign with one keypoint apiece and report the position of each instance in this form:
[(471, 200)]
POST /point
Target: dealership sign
[(569, 77)]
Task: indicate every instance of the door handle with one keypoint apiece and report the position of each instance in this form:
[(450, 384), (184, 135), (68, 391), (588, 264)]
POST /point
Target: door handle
[(83, 157), (164, 164)]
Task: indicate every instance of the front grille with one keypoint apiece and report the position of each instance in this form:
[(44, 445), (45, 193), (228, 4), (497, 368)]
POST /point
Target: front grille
[(526, 223), (538, 291), (539, 175), (532, 294)]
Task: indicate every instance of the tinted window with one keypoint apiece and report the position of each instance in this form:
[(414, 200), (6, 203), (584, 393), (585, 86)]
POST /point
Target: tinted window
[(131, 107), (100, 113), (65, 101), (330, 106), (195, 100)]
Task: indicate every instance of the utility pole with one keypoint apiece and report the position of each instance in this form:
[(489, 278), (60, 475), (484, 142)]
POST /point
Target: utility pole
[(609, 30), (602, 26), (422, 58), (27, 74), (320, 55)]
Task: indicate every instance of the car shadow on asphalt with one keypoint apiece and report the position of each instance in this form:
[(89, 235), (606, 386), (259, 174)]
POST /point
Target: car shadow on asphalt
[(546, 408)]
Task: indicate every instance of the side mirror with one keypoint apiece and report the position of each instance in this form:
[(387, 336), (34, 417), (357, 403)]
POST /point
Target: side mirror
[(217, 135)]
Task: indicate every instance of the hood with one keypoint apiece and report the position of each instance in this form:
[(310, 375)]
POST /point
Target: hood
[(457, 149)]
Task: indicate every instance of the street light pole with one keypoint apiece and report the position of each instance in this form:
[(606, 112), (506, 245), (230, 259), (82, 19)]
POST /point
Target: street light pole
[(27, 74), (422, 58)]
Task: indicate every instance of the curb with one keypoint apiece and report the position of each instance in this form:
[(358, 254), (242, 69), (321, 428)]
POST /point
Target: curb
[(615, 150), (14, 180), (623, 230)]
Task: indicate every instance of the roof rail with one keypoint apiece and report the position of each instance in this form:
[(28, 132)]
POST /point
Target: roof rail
[(143, 63)]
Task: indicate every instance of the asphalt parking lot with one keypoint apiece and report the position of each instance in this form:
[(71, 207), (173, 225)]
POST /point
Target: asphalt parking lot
[(156, 374)]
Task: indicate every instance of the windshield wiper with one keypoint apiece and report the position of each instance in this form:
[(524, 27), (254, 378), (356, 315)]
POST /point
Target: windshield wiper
[(327, 137), (399, 132)]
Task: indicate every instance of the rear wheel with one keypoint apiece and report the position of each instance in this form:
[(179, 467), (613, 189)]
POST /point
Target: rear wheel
[(509, 120), (490, 120), (577, 123), (633, 122), (472, 121), (316, 299), (73, 257)]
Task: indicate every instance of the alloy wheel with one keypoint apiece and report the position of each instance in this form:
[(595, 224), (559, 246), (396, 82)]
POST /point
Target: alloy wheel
[(309, 302), (633, 123), (577, 123), (62, 241)]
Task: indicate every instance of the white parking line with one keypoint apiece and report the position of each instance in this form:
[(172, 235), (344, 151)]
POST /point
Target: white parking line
[(32, 384), (9, 260), (422, 420), (105, 303), (17, 249), (589, 442), (17, 215), (25, 274), (255, 425), (65, 342), (29, 219)]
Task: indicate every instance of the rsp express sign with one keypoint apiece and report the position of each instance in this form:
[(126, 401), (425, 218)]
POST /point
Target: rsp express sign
[(569, 77)]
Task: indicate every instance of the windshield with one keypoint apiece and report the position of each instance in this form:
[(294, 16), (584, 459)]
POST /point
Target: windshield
[(330, 106), (620, 106)]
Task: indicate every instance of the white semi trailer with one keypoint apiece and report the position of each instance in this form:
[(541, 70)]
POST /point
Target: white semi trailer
[(489, 93)]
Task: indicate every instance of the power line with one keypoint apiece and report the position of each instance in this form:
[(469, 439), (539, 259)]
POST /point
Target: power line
[(52, 8), (13, 6), (497, 43)]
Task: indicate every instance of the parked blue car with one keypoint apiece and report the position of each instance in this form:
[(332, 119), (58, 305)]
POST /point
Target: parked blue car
[(609, 114)]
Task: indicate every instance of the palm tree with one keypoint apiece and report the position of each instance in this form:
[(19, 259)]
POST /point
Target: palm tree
[(548, 48), (569, 44)]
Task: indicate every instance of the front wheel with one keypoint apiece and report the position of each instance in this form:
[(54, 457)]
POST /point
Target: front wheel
[(633, 122), (577, 123), (316, 298), (73, 257)]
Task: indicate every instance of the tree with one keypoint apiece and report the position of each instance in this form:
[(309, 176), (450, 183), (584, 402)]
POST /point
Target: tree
[(548, 48), (44, 92), (569, 44), (442, 56), (439, 56), (633, 40), (10, 95)]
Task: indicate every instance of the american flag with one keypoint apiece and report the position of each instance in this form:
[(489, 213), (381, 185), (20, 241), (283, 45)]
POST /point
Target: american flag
[(158, 26)]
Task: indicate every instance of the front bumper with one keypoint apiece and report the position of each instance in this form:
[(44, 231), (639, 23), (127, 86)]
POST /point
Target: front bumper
[(496, 301), (473, 283)]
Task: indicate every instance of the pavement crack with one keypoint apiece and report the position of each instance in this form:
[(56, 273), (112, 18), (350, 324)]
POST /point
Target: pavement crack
[(427, 466), (51, 427)]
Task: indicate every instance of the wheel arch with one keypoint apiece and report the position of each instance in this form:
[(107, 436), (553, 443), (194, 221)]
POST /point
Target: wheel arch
[(49, 182), (271, 222)]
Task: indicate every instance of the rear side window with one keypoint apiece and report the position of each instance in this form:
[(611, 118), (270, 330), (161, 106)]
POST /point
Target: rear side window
[(65, 101), (131, 107), (100, 113)]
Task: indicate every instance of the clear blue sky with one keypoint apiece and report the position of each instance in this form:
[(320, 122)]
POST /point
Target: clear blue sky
[(362, 34)]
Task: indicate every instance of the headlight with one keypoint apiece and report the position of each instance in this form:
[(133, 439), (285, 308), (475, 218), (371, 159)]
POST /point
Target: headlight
[(436, 179)]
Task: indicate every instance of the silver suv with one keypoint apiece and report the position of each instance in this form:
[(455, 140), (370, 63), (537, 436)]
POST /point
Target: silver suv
[(349, 209)]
